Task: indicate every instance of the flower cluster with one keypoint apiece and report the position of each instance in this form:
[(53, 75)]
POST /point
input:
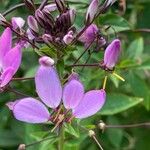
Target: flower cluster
[(57, 29)]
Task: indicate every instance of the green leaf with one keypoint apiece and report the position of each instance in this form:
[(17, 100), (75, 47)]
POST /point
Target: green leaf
[(116, 103), (8, 139), (114, 135), (69, 129), (118, 23), (136, 48)]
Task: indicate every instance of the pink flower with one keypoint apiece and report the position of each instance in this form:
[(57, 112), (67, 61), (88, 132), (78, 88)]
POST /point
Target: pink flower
[(50, 91), (10, 58), (112, 53)]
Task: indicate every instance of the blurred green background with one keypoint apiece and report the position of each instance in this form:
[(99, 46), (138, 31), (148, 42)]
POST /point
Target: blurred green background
[(127, 102)]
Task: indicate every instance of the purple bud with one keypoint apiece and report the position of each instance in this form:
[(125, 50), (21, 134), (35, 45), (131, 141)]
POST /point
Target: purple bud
[(46, 61), (30, 35), (68, 38), (60, 5), (92, 10), (47, 38), (112, 53), (17, 22), (33, 24), (72, 14), (50, 8), (40, 17)]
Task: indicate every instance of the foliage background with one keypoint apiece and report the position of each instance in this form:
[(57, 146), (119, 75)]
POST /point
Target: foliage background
[(127, 102)]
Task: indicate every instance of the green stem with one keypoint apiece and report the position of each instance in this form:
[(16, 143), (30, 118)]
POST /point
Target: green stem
[(61, 139)]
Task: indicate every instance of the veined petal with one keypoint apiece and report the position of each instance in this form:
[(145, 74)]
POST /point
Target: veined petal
[(5, 43), (31, 111), (6, 76), (90, 104), (17, 22), (13, 58), (72, 94), (112, 53), (48, 86)]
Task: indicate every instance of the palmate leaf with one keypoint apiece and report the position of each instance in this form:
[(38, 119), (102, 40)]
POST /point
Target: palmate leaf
[(116, 103)]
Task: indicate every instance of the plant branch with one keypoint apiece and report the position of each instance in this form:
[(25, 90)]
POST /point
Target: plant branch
[(21, 79)]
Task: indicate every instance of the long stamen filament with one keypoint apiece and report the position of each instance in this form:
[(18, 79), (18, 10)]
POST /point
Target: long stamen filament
[(118, 76)]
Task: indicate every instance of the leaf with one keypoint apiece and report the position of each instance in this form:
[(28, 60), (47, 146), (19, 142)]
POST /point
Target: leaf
[(136, 48), (115, 21), (69, 129), (140, 88), (8, 139), (114, 135), (116, 103)]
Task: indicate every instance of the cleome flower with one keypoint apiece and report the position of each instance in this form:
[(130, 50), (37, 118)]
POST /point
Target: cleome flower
[(10, 58), (49, 89)]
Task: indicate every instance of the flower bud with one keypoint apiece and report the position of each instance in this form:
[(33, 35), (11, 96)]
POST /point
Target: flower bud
[(112, 53), (30, 35), (47, 38), (33, 24), (40, 17), (72, 14), (46, 61), (50, 8), (22, 147), (60, 5), (30, 4), (92, 10), (2, 19), (91, 133), (68, 38), (17, 22)]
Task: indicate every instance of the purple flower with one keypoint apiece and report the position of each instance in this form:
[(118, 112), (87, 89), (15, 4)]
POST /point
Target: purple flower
[(112, 53), (89, 35), (68, 38), (10, 58), (92, 10), (50, 91)]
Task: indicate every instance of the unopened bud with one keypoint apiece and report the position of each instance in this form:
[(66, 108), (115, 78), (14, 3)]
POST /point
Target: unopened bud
[(102, 126), (91, 133), (47, 38), (68, 38), (30, 4), (92, 10), (17, 22), (50, 8), (46, 61), (72, 14), (30, 35), (2, 19), (60, 5), (40, 17), (33, 24), (22, 147)]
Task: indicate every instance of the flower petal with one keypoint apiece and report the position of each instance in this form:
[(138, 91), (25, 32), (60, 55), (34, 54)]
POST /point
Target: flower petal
[(13, 58), (17, 22), (72, 94), (6, 76), (90, 104), (5, 43), (48, 86), (30, 110), (112, 53)]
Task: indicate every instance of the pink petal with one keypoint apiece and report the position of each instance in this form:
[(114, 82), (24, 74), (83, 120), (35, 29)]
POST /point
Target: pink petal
[(30, 110), (90, 104), (48, 86), (17, 22), (72, 94), (11, 105), (13, 58), (112, 53), (6, 76), (5, 43)]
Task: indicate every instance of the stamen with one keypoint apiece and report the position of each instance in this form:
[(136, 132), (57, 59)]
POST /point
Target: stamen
[(118, 76), (59, 110), (104, 83), (61, 118)]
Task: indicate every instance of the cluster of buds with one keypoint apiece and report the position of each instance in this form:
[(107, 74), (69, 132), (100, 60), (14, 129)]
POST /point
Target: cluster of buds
[(52, 29)]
